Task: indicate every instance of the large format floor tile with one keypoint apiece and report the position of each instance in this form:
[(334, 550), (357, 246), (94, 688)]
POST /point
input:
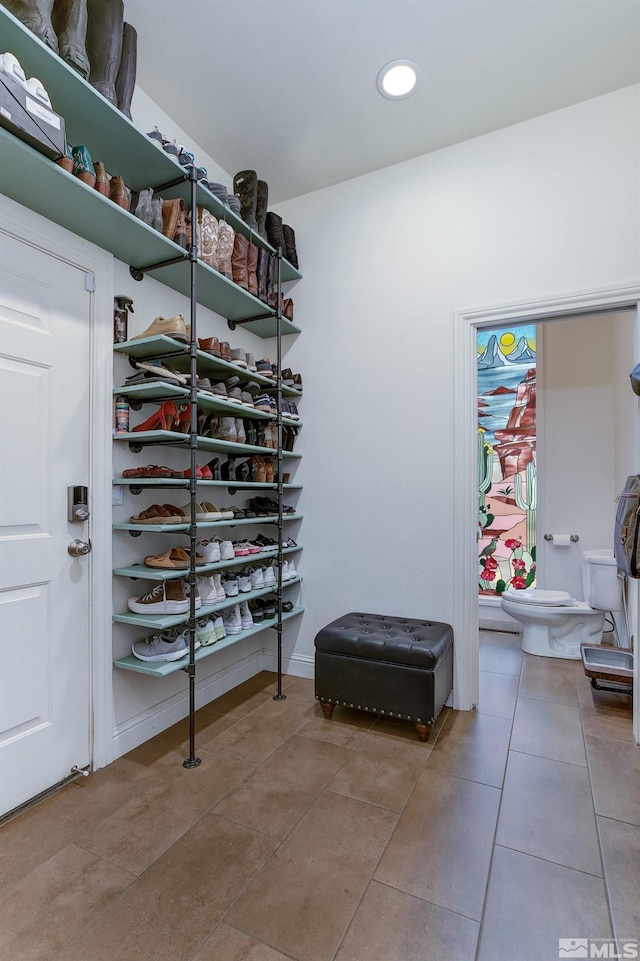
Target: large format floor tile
[(279, 792), (549, 730), (549, 679), (261, 732), (497, 693), (606, 715), (474, 746), (547, 811), (168, 912), (441, 848), (621, 855), (382, 769), (390, 925), (39, 914), (229, 944), (502, 657), (346, 727), (532, 903), (615, 778)]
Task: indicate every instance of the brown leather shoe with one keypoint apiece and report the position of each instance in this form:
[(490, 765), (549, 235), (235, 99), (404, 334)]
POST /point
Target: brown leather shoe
[(225, 350), (287, 308), (239, 261), (210, 344), (170, 327)]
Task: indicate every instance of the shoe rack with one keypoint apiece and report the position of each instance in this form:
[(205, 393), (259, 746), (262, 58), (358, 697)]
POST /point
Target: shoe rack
[(34, 181)]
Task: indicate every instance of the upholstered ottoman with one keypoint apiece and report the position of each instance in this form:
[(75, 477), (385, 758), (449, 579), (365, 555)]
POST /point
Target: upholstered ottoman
[(387, 665)]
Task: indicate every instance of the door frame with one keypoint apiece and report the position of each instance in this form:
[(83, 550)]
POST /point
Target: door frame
[(465, 600), (31, 228)]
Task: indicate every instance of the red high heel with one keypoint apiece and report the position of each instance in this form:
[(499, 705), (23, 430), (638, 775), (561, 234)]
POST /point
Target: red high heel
[(182, 420), (162, 419)]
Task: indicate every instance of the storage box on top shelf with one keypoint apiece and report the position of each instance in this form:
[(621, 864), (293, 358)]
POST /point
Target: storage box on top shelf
[(28, 118)]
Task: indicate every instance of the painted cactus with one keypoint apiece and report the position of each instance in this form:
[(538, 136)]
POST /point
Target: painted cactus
[(527, 500), (485, 466)]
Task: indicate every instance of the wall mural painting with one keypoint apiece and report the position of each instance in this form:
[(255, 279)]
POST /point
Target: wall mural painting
[(506, 459)]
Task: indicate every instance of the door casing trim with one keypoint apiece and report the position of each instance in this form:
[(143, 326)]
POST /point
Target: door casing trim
[(31, 228)]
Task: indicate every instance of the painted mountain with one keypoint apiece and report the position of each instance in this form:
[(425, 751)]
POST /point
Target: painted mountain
[(492, 356)]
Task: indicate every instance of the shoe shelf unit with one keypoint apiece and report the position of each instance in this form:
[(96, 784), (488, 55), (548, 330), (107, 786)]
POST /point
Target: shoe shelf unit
[(203, 525), (33, 180), (165, 668)]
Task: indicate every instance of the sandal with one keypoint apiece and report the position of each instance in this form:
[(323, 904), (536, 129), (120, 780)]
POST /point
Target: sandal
[(176, 558), (160, 514), (151, 470)]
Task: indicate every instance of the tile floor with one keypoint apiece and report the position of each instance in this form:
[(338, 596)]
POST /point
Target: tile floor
[(300, 838)]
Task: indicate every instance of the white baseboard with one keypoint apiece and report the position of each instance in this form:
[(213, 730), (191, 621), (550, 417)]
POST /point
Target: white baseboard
[(144, 726), (298, 665), (491, 617)]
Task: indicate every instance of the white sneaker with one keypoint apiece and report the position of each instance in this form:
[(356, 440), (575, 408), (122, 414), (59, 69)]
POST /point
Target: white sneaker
[(226, 550), (230, 584), (246, 620), (270, 579), (206, 629), (257, 578), (219, 626), (220, 592), (244, 582), (210, 550), (232, 620), (292, 570), (207, 589), (160, 647)]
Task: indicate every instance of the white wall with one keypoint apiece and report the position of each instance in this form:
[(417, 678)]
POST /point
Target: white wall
[(536, 210)]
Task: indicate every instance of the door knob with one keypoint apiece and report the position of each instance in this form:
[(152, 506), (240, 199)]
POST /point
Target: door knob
[(79, 548)]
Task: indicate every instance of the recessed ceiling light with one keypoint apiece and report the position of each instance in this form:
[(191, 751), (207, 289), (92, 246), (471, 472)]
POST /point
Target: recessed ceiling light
[(398, 79)]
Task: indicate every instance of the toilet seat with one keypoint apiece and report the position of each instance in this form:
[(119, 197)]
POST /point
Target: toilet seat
[(535, 595)]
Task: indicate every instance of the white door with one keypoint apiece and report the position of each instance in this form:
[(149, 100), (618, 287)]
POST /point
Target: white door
[(44, 592)]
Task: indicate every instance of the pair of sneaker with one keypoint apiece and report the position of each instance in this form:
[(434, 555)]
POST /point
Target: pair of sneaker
[(237, 618), (167, 597), (211, 588), (170, 645), (288, 571), (210, 629), (214, 550)]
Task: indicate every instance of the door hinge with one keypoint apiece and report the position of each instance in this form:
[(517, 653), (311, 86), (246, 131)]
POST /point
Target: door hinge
[(90, 282)]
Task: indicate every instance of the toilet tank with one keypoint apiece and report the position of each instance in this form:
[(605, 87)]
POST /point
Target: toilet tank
[(602, 586)]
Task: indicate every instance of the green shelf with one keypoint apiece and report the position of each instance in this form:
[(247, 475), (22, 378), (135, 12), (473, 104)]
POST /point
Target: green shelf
[(164, 668), (142, 572), (111, 137), (150, 392), (204, 525), (178, 484), (169, 438)]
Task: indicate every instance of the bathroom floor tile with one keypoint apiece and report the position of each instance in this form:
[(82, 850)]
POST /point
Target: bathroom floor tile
[(243, 699), (548, 679), (296, 773), (390, 925), (441, 848), (299, 688), (532, 903), (498, 693), (346, 727), (503, 658), (549, 730), (547, 811), (606, 715), (621, 854), (615, 778), (474, 746), (257, 735)]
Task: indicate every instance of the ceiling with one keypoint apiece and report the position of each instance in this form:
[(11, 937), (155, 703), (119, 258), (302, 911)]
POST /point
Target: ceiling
[(288, 87)]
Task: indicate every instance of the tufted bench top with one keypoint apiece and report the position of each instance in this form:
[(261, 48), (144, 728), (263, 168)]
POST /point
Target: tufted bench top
[(378, 637)]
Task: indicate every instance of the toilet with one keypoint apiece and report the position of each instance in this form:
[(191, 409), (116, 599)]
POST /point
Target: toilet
[(553, 623)]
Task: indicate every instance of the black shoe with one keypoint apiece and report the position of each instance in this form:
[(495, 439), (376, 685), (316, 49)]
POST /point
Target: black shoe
[(214, 467)]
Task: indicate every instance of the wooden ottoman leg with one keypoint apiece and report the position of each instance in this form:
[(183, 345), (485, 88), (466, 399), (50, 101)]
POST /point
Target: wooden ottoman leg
[(327, 709), (423, 730)]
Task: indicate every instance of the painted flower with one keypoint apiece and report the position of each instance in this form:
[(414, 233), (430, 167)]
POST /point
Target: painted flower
[(487, 574), (491, 563), (518, 583), (518, 564), (513, 544)]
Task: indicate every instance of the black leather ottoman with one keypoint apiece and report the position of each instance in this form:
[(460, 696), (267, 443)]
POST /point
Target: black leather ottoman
[(397, 666)]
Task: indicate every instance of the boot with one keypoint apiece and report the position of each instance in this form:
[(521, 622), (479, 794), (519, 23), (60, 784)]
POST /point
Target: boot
[(262, 202), (126, 78), (226, 240), (209, 235), (69, 19), (290, 245), (272, 298), (252, 265), (275, 235), (245, 187), (104, 45), (36, 16), (263, 263), (239, 261)]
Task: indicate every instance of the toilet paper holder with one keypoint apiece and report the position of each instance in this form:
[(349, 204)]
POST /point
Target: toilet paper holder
[(574, 538)]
